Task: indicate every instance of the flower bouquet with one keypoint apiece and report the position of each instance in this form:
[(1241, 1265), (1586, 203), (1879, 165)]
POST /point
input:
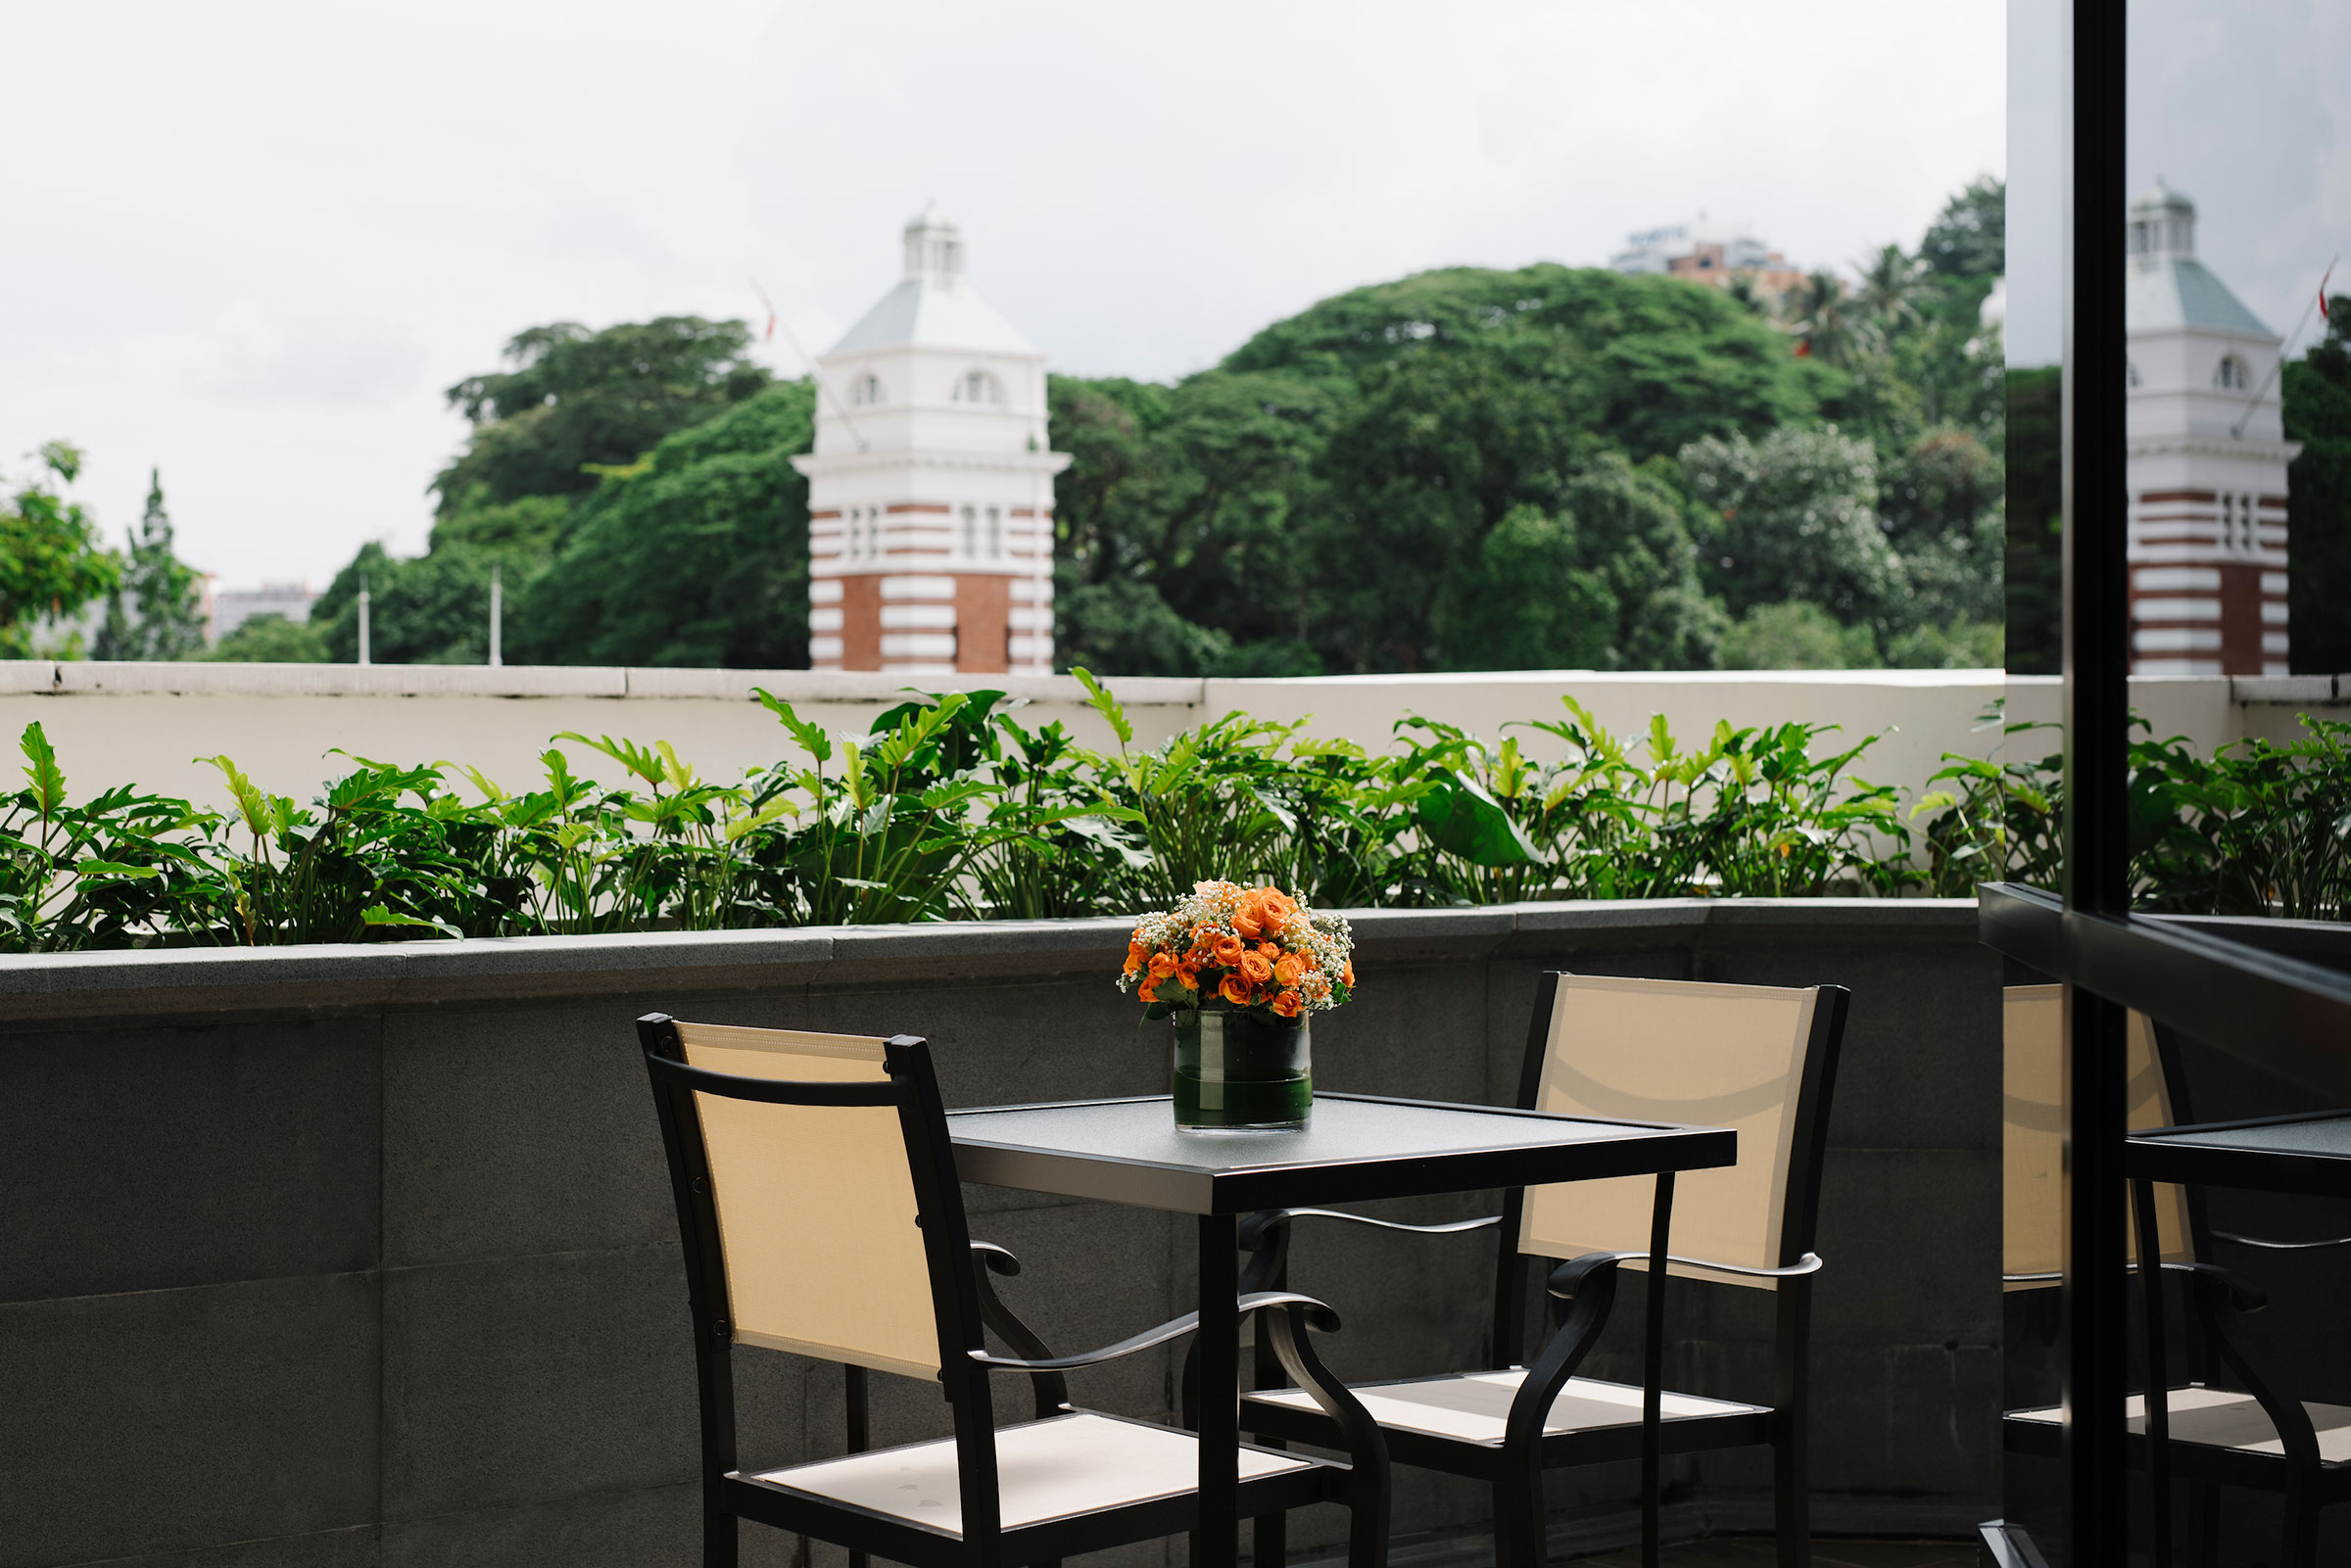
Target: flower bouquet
[(1239, 970)]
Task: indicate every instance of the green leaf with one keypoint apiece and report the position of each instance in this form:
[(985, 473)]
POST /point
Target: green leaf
[(97, 870), (1462, 819), (1105, 704), (48, 780), (378, 915)]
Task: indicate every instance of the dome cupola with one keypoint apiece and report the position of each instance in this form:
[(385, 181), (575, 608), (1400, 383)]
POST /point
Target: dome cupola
[(2163, 222), (933, 247)]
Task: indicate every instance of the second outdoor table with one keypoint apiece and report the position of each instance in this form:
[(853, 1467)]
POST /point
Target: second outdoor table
[(1357, 1148)]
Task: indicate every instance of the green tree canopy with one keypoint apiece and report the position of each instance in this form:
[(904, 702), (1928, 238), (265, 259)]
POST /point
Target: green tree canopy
[(1793, 516), (2318, 414), (1969, 238), (157, 610), (51, 560), (271, 639), (701, 559), (576, 397), (431, 610)]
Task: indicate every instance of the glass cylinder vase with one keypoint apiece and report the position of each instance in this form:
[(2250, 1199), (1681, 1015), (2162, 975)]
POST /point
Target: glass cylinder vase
[(1237, 1073)]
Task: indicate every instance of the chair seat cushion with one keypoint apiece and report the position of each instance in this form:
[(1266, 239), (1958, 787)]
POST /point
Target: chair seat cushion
[(2223, 1418), (1472, 1406), (1072, 1464)]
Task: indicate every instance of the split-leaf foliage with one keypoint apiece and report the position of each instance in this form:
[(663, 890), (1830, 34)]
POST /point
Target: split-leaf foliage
[(957, 806)]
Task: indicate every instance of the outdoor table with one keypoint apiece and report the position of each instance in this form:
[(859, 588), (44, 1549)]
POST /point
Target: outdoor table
[(1356, 1147), (2300, 1154), (2308, 1153)]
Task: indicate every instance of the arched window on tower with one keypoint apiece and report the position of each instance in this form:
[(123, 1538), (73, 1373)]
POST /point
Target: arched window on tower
[(2232, 376), (866, 391), (978, 386), (2131, 372), (996, 533), (971, 532)]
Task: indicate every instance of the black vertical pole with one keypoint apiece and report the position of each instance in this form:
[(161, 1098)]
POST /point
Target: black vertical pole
[(2097, 731)]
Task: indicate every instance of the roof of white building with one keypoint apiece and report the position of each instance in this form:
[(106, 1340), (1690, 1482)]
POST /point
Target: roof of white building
[(2165, 288), (932, 306), (2167, 293)]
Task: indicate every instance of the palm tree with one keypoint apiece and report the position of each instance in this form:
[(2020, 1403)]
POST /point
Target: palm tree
[(1823, 319), (1892, 286)]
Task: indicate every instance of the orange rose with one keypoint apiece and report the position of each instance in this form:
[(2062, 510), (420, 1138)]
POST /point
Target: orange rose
[(1162, 965), (1255, 969), (1188, 975), (1233, 991), (1288, 1005), (1227, 950), (1275, 904), (1137, 952), (1245, 920), (1290, 968), (1272, 953), (1347, 974)]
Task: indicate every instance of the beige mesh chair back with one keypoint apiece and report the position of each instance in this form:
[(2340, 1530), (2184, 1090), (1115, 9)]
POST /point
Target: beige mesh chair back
[(1760, 1060), (2033, 1137), (816, 1209), (820, 1215), (1723, 1056)]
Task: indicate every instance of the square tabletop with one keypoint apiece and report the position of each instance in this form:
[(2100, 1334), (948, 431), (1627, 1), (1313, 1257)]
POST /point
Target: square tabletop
[(2304, 1153), (1355, 1147)]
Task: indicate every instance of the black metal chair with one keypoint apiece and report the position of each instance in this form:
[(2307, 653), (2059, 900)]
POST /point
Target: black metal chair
[(2254, 1435), (1757, 1059), (819, 1212)]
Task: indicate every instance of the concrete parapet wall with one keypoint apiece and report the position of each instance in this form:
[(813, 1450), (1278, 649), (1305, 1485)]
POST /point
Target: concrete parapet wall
[(365, 1255), (144, 723)]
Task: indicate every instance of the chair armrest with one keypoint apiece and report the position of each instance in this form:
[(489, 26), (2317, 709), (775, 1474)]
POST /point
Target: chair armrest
[(1256, 1225), (1586, 1287), (2266, 1244), (1809, 1264), (2243, 1296), (2220, 1300), (1051, 1388), (1315, 1317)]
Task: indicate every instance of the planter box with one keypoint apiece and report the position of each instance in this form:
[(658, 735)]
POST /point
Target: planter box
[(360, 1256)]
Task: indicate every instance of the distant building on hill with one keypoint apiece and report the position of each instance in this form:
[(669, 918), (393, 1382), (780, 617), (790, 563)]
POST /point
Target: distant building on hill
[(1707, 253), (930, 484), (2207, 456), (231, 607)]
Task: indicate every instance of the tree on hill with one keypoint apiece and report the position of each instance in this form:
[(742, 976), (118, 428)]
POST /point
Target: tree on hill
[(271, 639), (1647, 364), (1969, 238), (51, 560), (2318, 414), (699, 557), (157, 610), (576, 397)]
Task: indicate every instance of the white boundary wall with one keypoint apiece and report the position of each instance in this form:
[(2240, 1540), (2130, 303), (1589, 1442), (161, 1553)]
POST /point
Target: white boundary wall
[(143, 724)]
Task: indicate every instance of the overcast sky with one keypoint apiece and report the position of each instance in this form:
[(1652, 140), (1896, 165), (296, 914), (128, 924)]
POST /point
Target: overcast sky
[(252, 242), (2245, 108)]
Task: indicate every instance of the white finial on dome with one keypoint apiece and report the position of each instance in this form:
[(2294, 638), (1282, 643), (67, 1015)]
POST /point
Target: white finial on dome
[(2163, 222), (933, 247)]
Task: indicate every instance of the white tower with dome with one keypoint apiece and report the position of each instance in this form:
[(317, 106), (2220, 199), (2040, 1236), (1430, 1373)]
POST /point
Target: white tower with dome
[(930, 485), (2207, 459)]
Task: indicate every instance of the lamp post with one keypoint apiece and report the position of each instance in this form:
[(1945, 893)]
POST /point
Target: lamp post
[(496, 606), (362, 620)]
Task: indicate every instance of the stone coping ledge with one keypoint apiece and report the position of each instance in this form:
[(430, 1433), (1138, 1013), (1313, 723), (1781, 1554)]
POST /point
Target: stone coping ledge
[(224, 985), (95, 677)]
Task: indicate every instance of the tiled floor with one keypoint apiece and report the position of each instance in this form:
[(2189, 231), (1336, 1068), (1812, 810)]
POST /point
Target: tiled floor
[(1746, 1553)]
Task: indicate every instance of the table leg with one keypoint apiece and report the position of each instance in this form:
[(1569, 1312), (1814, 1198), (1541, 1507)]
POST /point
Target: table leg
[(1215, 1539), (1653, 1376)]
